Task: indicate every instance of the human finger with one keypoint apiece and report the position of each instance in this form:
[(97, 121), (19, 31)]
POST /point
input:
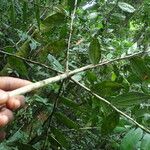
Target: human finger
[(15, 102), (10, 83), (3, 97), (6, 116)]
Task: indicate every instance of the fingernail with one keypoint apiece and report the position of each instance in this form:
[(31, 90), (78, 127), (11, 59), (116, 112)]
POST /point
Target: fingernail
[(3, 120)]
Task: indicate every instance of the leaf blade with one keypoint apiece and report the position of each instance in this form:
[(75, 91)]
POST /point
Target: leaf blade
[(95, 51), (109, 123), (126, 7), (145, 144), (129, 99), (131, 139), (66, 121)]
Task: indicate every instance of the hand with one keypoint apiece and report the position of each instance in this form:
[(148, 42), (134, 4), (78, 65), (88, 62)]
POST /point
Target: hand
[(9, 104)]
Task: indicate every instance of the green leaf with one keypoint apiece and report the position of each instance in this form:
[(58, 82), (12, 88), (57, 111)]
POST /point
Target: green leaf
[(25, 146), (71, 4), (139, 111), (107, 88), (139, 68), (120, 129), (55, 47), (66, 121), (126, 7), (54, 20), (131, 139), (129, 99), (146, 86), (17, 136), (92, 15), (24, 10), (54, 62), (18, 65), (119, 16), (60, 137), (95, 51), (34, 44), (13, 13), (3, 146), (109, 123), (71, 104), (41, 100), (37, 12), (145, 143), (91, 76)]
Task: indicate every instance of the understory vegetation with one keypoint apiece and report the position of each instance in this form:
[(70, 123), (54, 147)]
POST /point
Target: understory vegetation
[(104, 104)]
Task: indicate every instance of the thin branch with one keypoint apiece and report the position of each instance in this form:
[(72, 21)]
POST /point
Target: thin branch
[(65, 75), (50, 117), (21, 91), (70, 35), (28, 60), (112, 106), (84, 128)]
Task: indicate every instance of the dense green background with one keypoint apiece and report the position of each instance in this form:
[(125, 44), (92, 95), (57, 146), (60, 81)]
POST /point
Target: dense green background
[(64, 115)]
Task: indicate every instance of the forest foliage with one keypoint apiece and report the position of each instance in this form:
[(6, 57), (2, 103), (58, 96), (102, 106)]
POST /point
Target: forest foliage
[(105, 106)]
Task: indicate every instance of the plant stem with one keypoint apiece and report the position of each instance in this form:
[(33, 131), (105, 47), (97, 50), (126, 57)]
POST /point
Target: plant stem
[(33, 86), (70, 35), (28, 60), (113, 107), (65, 75)]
